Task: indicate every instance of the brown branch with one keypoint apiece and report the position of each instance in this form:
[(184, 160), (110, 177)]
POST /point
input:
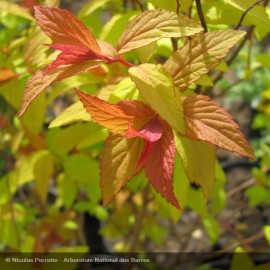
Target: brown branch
[(201, 16), (245, 13), (140, 5), (177, 6), (239, 188), (246, 241), (174, 44)]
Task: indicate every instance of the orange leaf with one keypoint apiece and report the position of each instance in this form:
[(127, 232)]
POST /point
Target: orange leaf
[(118, 164), (38, 82), (64, 28), (160, 163), (207, 121), (6, 74), (115, 117)]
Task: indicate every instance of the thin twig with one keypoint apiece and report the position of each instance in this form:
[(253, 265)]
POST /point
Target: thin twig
[(245, 13), (246, 241), (135, 236), (174, 44), (201, 16), (239, 188), (177, 6), (140, 5)]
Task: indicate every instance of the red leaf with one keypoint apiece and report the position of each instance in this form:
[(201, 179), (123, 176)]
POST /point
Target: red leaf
[(64, 28), (159, 165), (207, 121), (72, 54)]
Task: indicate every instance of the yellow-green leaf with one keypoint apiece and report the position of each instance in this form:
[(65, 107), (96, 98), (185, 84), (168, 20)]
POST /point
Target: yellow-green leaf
[(118, 164), (202, 54), (12, 8), (74, 113), (153, 25), (43, 170), (199, 162), (157, 89), (257, 13)]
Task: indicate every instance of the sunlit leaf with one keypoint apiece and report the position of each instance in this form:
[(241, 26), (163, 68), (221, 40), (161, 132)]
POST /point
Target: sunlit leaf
[(160, 164), (156, 88), (73, 113), (153, 25), (118, 164), (207, 121), (64, 28), (199, 170), (203, 53)]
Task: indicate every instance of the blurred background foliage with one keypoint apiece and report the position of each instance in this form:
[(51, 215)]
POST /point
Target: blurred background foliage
[(50, 197)]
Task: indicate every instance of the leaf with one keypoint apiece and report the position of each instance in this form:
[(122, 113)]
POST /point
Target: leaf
[(203, 53), (12, 8), (91, 6), (37, 83), (207, 121), (115, 117), (156, 88), (118, 164), (153, 25), (257, 13), (71, 55), (43, 170), (159, 166), (6, 74), (199, 162), (64, 28), (73, 113), (109, 115)]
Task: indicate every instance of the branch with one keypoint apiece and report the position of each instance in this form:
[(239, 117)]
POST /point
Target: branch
[(245, 13), (200, 12), (177, 6)]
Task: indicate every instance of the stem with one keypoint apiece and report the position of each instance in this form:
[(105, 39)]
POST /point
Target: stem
[(135, 235), (140, 5), (201, 16), (245, 13), (174, 44), (177, 6)]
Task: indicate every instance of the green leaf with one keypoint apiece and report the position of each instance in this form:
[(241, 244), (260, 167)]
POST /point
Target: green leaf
[(171, 5), (203, 53), (124, 90), (199, 162), (73, 113), (241, 260), (212, 227), (92, 6), (266, 230), (112, 31), (156, 88), (43, 170), (257, 13)]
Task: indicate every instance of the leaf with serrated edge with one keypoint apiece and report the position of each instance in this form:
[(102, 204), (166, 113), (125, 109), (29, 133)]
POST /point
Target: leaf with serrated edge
[(203, 53), (157, 89), (64, 28), (37, 84), (118, 164), (74, 113), (159, 165), (153, 25), (207, 121), (199, 162), (115, 117)]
